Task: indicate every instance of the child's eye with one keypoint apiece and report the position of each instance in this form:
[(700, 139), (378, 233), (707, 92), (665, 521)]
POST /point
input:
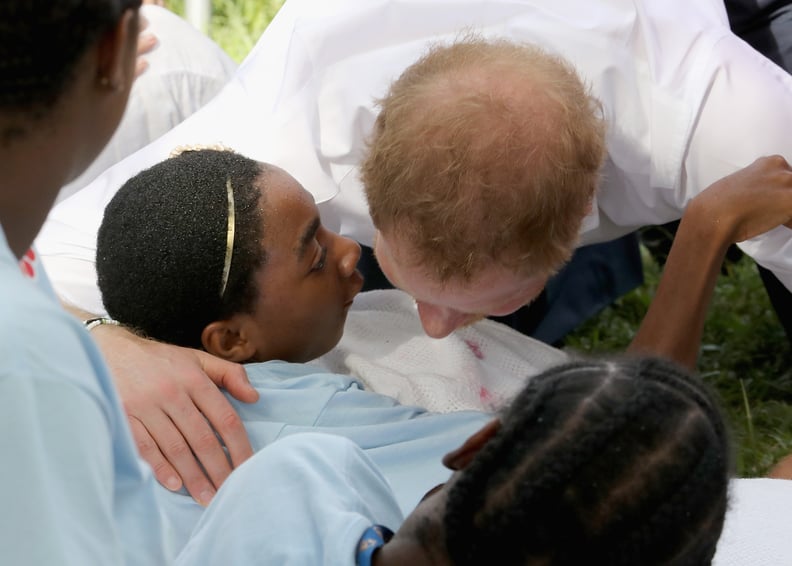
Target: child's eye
[(319, 265)]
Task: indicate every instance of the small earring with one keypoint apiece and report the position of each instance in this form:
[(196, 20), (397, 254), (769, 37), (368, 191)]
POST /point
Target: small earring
[(105, 82)]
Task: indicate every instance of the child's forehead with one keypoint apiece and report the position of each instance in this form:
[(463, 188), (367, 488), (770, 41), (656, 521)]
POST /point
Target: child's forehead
[(288, 210), (276, 180)]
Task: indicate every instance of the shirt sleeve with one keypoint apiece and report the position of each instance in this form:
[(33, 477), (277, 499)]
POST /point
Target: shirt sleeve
[(57, 476), (302, 501)]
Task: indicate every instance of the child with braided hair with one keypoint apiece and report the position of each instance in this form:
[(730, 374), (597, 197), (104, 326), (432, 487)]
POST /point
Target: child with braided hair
[(618, 462), (623, 462)]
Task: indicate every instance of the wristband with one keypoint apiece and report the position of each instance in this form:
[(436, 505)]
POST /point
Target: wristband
[(92, 323)]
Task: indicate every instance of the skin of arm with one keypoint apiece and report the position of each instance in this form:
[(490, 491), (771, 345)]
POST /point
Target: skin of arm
[(171, 397), (738, 207)]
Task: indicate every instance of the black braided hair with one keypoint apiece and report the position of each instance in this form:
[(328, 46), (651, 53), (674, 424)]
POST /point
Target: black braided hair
[(161, 247), (41, 42), (620, 462)]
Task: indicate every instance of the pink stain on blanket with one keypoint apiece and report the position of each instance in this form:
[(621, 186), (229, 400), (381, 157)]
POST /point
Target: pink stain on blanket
[(475, 348), (484, 394)]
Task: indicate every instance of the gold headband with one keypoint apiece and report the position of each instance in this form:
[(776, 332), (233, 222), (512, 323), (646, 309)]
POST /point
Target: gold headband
[(229, 238), (231, 212), (179, 149)]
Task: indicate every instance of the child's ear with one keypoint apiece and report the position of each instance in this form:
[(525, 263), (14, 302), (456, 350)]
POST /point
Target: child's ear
[(227, 339), (459, 459)]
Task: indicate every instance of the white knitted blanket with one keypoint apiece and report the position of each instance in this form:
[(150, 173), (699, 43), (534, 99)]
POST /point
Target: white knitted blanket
[(479, 367)]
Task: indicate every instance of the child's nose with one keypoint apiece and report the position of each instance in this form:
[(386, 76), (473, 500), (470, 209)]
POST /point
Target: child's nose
[(349, 255)]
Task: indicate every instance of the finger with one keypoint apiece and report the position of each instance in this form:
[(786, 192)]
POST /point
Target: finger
[(140, 66), (146, 42), (229, 376), (149, 451), (176, 448), (226, 422), (204, 446)]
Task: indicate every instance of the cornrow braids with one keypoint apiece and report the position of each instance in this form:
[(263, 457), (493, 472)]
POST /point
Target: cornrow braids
[(601, 462), (163, 245), (41, 41)]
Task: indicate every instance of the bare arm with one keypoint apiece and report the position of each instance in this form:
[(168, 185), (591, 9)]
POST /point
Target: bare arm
[(743, 205), (171, 397)]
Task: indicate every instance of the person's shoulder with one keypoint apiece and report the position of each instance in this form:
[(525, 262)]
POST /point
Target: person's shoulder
[(315, 447), (287, 375), (38, 338)]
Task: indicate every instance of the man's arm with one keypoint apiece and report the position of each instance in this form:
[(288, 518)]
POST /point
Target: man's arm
[(738, 207), (171, 398)]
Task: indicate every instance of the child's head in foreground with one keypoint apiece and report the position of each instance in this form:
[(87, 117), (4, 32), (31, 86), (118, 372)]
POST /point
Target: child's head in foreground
[(210, 249), (621, 462)]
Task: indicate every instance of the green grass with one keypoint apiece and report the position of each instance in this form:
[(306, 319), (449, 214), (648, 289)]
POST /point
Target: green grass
[(236, 24), (745, 355)]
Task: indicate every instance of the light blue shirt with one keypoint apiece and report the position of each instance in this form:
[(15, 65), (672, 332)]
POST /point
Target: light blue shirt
[(72, 490), (303, 501), (405, 443)]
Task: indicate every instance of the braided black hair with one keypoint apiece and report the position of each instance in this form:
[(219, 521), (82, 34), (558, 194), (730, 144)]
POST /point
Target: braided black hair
[(41, 41), (161, 248), (620, 462)]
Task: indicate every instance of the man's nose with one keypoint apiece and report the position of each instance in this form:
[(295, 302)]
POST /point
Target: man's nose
[(439, 322)]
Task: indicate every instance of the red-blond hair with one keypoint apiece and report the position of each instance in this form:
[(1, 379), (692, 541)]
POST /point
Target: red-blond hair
[(485, 152)]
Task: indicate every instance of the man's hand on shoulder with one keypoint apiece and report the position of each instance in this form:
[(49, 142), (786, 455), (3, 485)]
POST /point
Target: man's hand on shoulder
[(171, 398)]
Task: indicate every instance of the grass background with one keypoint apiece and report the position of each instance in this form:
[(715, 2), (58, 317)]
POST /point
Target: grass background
[(745, 354)]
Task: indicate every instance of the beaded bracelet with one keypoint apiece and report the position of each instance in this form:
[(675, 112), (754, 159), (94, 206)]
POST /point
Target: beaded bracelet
[(92, 323)]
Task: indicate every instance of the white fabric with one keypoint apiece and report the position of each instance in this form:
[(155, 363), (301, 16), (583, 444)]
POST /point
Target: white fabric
[(304, 99), (758, 528), (479, 367)]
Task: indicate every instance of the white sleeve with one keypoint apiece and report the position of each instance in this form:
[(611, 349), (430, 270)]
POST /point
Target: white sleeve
[(746, 114)]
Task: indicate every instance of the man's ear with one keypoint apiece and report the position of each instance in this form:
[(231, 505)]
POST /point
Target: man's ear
[(227, 339), (460, 458), (117, 52)]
